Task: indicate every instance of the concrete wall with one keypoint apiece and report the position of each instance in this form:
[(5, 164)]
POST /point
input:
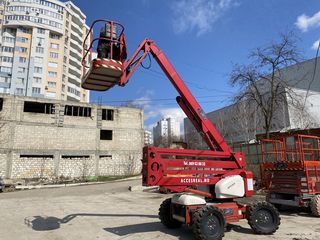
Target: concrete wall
[(39, 145)]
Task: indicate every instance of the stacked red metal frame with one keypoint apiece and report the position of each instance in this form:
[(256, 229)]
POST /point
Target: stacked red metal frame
[(294, 168)]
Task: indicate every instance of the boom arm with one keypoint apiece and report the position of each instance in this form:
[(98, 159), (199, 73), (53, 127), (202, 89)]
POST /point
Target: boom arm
[(186, 100)]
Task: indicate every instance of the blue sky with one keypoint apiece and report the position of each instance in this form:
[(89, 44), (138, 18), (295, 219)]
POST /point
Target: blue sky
[(203, 39)]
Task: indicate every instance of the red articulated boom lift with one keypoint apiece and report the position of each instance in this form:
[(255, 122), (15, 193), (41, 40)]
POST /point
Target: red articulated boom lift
[(290, 171), (207, 182)]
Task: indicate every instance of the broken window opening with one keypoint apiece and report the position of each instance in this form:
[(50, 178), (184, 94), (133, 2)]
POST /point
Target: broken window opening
[(35, 156), (105, 134), (75, 156), (77, 111), (38, 107), (1, 104), (108, 114)]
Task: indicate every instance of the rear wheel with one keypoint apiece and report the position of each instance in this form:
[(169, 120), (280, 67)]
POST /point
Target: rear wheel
[(208, 223), (166, 216), (315, 205), (263, 218)]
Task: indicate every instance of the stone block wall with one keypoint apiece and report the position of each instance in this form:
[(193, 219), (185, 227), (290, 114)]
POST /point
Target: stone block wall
[(43, 145)]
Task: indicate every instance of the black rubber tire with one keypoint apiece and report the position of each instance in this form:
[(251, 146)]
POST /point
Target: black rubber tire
[(208, 223), (315, 205), (263, 218), (165, 215)]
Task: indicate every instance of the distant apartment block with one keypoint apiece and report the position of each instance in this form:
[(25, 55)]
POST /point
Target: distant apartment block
[(166, 131), (41, 49), (44, 138), (148, 137)]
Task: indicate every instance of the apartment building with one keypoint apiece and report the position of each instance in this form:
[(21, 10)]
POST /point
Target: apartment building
[(166, 131), (41, 49)]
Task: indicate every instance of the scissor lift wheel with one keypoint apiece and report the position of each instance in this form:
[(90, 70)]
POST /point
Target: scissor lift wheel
[(103, 74), (315, 205), (263, 218)]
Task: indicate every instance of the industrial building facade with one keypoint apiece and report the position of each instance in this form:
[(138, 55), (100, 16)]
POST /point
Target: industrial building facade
[(41, 49), (42, 138), (241, 122)]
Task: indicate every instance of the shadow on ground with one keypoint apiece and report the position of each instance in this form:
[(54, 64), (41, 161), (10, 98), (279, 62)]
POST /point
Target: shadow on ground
[(46, 223), (182, 233)]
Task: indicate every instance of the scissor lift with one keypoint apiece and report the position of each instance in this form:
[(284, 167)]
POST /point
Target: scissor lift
[(290, 171), (207, 183)]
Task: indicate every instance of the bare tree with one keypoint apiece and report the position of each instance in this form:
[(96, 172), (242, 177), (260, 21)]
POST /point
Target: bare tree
[(261, 81)]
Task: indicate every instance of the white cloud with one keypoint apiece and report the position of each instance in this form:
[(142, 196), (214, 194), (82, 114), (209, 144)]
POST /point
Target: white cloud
[(153, 117), (315, 45), (198, 15), (154, 112), (305, 22)]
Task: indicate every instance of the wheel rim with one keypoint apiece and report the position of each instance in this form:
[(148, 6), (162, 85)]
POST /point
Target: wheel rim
[(264, 218), (212, 226)]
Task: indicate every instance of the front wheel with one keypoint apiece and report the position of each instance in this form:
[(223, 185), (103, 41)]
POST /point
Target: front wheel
[(208, 223), (263, 218)]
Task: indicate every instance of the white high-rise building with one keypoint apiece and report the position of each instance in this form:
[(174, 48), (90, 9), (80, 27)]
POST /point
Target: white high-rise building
[(166, 131), (41, 49), (148, 137)]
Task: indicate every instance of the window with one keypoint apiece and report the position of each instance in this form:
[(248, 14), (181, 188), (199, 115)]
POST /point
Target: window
[(54, 36), (37, 79), (107, 114), (6, 69), (54, 46), (38, 69), (22, 39), (22, 59), (7, 59), (1, 104), (20, 80), (39, 50), (5, 79), (22, 29), (38, 59), (40, 41), (52, 74), (54, 55), (53, 64), (73, 91), (8, 39), (52, 84), (7, 49), (105, 134), (21, 49), (36, 90), (41, 31), (77, 111), (19, 91), (37, 107), (21, 70)]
